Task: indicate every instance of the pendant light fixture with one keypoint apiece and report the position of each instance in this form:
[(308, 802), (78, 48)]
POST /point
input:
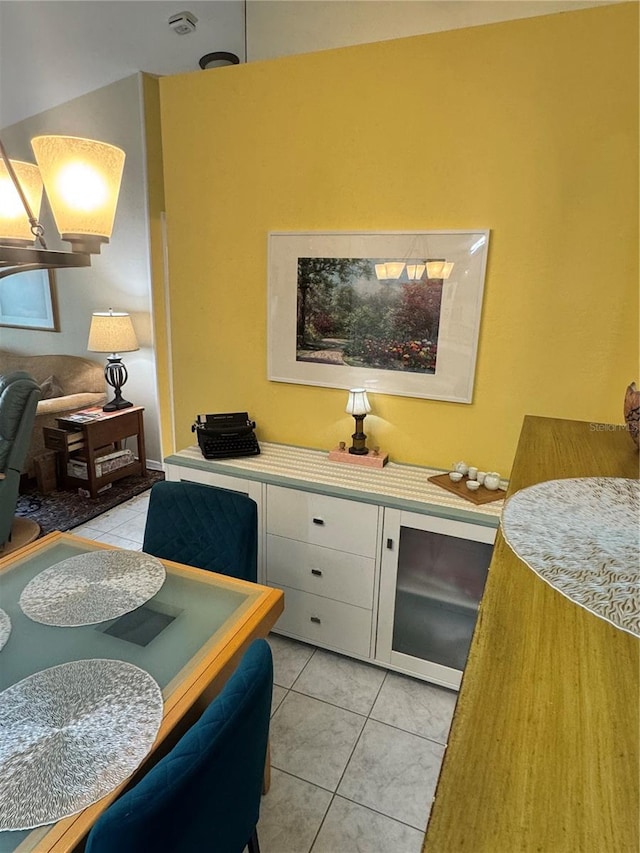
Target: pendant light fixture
[(436, 269), (82, 180)]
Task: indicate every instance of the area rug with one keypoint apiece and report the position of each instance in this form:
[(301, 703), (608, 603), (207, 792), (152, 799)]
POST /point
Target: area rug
[(64, 510)]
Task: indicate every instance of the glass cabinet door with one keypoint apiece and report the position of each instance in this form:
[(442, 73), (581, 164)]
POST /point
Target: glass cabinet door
[(433, 576), (438, 588)]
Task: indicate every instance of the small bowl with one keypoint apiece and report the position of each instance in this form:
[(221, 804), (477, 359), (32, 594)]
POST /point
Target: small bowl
[(473, 485), (456, 476)]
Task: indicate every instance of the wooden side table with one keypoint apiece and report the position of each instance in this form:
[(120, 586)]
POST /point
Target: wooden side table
[(87, 440)]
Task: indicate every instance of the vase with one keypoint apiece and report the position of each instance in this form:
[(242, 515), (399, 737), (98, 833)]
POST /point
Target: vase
[(632, 412)]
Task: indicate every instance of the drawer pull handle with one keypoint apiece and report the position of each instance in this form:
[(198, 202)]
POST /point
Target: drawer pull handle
[(316, 572), (319, 521), (316, 619)]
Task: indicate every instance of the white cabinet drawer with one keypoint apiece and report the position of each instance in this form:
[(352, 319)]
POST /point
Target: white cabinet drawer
[(325, 622), (208, 478), (323, 571), (321, 520)]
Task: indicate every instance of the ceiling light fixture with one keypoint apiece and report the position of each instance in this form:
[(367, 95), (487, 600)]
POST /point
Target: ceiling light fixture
[(82, 180), (217, 59)]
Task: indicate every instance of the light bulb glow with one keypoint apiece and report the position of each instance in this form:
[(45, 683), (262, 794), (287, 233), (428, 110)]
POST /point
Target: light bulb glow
[(14, 222), (10, 204), (82, 187)]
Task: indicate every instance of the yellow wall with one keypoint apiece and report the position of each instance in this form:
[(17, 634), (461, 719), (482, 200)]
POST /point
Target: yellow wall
[(528, 128)]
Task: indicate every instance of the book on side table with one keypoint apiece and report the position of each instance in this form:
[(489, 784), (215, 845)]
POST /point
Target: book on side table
[(84, 416)]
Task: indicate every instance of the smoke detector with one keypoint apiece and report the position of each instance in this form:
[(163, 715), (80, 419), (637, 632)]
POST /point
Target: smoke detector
[(183, 23)]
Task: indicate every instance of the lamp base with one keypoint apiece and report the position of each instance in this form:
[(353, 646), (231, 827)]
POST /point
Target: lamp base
[(116, 404), (116, 375), (370, 460)]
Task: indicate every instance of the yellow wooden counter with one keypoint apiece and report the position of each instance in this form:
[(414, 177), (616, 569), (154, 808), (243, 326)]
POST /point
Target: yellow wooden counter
[(543, 751)]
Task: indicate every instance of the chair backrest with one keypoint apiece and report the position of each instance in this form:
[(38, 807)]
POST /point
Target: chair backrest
[(205, 794), (19, 395), (205, 527)]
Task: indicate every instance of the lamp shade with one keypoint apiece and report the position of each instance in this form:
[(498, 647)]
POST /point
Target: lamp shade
[(358, 404), (82, 180), (112, 332), (415, 271), (14, 223), (381, 271), (394, 269), (439, 268)]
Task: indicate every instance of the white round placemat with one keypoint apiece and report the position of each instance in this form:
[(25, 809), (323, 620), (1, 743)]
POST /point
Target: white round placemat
[(581, 536), (92, 587), (70, 735), (5, 627)]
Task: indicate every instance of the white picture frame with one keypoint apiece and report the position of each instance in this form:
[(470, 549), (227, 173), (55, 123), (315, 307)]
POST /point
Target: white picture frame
[(341, 268), (28, 301)]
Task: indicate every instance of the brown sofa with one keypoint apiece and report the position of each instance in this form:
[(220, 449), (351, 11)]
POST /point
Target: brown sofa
[(67, 382)]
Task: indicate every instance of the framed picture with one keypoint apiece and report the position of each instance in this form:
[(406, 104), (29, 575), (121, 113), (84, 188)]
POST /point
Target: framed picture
[(394, 312), (28, 301)]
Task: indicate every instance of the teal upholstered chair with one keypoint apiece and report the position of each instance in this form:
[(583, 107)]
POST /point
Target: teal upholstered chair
[(19, 395), (205, 794), (203, 526)]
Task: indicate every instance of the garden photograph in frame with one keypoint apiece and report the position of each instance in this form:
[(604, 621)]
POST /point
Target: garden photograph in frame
[(392, 312), (28, 301)]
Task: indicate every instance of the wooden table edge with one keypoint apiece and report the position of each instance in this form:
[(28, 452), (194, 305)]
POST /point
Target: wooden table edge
[(618, 460)]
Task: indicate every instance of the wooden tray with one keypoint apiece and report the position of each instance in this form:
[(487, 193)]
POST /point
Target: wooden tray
[(480, 496)]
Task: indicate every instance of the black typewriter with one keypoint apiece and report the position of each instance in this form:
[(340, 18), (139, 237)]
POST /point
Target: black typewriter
[(226, 435)]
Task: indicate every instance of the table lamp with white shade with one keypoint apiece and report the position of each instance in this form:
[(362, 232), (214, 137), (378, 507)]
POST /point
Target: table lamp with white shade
[(112, 332), (358, 405)]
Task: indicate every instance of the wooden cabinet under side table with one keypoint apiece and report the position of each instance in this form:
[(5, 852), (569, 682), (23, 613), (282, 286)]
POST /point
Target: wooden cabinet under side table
[(86, 441)]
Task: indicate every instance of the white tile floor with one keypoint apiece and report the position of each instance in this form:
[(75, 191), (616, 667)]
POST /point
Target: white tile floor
[(355, 750)]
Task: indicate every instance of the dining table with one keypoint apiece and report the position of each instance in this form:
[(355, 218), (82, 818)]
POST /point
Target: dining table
[(188, 637)]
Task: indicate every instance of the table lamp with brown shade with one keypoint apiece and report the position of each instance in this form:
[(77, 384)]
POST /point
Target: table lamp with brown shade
[(112, 332)]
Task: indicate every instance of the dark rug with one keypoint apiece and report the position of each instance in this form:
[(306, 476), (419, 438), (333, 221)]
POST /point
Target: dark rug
[(65, 510)]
